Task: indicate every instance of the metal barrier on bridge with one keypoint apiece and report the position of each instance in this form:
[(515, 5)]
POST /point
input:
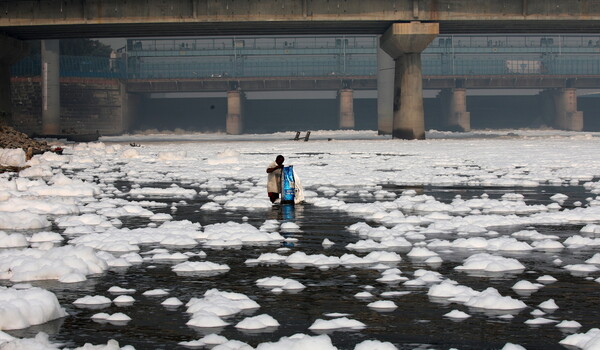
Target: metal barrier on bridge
[(229, 57)]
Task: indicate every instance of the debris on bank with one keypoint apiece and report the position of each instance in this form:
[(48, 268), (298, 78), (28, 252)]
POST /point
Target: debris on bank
[(11, 138), (16, 148)]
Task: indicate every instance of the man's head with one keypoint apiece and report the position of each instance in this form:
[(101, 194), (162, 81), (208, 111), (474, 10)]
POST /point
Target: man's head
[(279, 160)]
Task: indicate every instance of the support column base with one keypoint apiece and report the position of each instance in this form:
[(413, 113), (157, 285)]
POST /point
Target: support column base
[(234, 122)]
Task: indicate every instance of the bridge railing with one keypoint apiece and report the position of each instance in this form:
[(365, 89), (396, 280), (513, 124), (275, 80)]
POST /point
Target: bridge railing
[(309, 66), (74, 66)]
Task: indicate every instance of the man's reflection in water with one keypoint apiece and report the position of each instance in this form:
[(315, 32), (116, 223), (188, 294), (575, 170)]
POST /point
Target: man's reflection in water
[(285, 212)]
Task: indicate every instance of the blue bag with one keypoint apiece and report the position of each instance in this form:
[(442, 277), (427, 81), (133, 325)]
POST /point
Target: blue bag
[(288, 185)]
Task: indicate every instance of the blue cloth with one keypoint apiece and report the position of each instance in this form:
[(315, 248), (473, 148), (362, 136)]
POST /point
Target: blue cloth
[(288, 185)]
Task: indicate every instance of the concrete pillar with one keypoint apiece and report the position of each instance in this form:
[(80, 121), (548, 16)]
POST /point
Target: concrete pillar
[(385, 92), (50, 87), (346, 99), (567, 115), (129, 109), (234, 123), (405, 42), (12, 51), (454, 109)]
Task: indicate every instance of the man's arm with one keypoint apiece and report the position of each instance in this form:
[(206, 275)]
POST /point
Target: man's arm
[(270, 170)]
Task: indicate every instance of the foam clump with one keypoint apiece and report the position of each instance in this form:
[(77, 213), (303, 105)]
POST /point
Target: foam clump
[(383, 305), (172, 302), (490, 299), (511, 346), (22, 308), (93, 300), (490, 263), (569, 324), (123, 300), (549, 305), (39, 237), (336, 323), (375, 345), (539, 320), (257, 322), (233, 233), (22, 220), (40, 341), (457, 314), (594, 259), (13, 240), (174, 191), (584, 341), (53, 264), (155, 293), (208, 310), (200, 266), (526, 286), (278, 282), (120, 290), (14, 157)]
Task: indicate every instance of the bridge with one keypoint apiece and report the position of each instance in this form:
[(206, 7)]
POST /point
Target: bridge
[(555, 64), (407, 27)]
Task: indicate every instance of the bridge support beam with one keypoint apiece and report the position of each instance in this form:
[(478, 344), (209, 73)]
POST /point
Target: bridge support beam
[(567, 116), (346, 110), (12, 51), (454, 109), (405, 42), (235, 104), (50, 87), (385, 92)]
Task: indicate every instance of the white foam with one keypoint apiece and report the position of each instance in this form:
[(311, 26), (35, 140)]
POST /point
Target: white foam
[(457, 314), (549, 305), (584, 341), (22, 308), (94, 300), (257, 322), (383, 305), (283, 283), (336, 323), (172, 302), (490, 263)]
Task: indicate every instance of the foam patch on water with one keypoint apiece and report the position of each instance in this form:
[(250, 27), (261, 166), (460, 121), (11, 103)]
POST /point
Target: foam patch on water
[(22, 308)]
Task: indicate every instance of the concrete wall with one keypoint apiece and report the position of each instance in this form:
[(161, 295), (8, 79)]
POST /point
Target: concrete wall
[(87, 105)]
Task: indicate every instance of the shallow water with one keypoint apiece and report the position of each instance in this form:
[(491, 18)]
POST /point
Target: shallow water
[(418, 322)]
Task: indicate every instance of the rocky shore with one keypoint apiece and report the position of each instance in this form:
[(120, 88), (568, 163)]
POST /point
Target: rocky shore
[(11, 138)]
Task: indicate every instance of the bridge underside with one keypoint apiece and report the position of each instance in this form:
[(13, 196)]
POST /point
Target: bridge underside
[(356, 83), (89, 30)]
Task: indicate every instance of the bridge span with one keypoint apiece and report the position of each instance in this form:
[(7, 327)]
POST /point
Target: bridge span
[(407, 27), (198, 69), (57, 19)]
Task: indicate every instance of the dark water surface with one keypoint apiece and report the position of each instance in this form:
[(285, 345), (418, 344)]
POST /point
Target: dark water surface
[(417, 323)]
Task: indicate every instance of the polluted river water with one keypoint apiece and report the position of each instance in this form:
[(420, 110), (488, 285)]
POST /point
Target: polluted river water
[(475, 243)]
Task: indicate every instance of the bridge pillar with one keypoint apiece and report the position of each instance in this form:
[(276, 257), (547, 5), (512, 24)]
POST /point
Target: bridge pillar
[(385, 92), (50, 87), (405, 42), (346, 99), (12, 51), (454, 109), (567, 116), (234, 123)]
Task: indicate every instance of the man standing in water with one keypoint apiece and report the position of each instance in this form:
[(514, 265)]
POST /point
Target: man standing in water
[(274, 179)]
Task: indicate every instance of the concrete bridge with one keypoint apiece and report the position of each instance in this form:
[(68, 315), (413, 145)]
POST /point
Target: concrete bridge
[(407, 27)]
